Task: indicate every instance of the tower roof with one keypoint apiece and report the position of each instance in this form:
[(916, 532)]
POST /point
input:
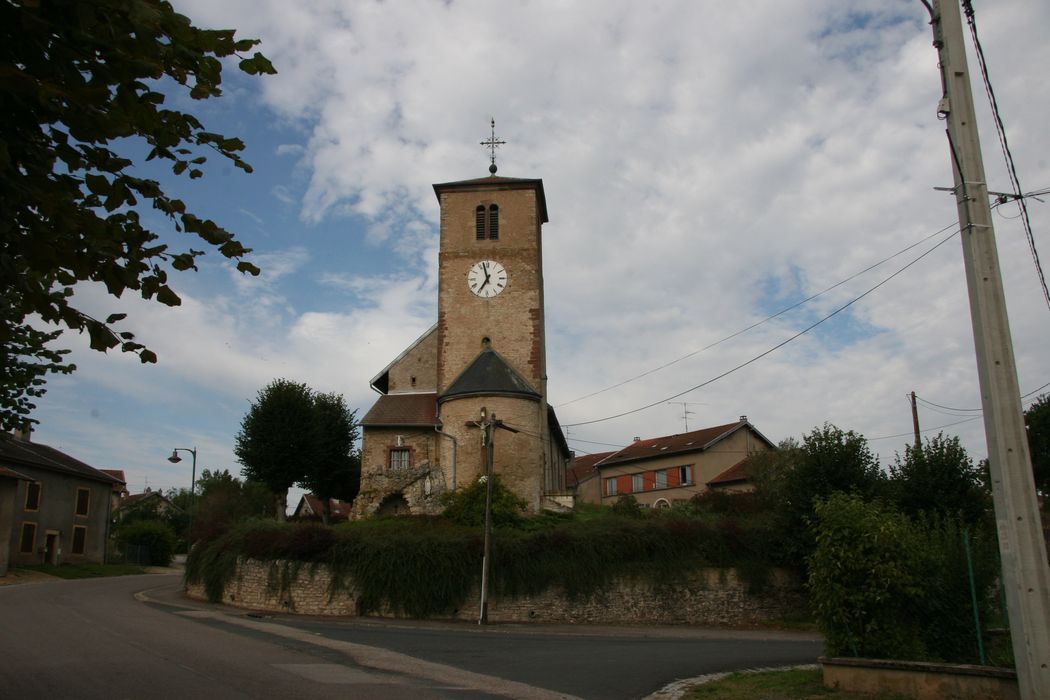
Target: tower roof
[(489, 374), (495, 183)]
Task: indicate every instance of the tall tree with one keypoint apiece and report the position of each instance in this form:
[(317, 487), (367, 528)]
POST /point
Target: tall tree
[(336, 473), (76, 78), (828, 460), (939, 478), (277, 442), (1037, 421)]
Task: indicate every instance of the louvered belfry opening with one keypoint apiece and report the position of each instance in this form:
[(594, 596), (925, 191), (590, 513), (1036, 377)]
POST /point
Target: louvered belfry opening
[(493, 222), (479, 222)]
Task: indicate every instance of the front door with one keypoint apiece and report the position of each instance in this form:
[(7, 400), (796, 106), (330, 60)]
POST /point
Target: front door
[(51, 548)]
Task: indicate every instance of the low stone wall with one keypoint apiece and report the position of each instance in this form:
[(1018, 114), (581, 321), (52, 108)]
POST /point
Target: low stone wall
[(709, 597), (916, 679)]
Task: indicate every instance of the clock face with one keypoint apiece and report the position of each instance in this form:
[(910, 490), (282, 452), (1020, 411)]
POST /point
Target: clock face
[(487, 278)]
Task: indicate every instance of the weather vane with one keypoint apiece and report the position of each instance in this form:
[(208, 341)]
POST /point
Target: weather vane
[(492, 143)]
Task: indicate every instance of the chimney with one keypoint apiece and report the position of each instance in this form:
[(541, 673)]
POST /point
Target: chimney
[(743, 419), (24, 433), (637, 439)]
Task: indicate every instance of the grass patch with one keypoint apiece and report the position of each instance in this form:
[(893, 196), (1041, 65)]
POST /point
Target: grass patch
[(797, 684), (72, 571)]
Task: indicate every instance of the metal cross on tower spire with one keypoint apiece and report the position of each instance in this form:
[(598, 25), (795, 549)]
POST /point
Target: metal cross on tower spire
[(492, 143)]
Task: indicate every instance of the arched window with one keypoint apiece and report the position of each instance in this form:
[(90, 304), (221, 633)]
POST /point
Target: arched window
[(486, 222), (479, 222), (493, 222)]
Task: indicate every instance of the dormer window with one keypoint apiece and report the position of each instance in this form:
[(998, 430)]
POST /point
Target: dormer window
[(486, 222)]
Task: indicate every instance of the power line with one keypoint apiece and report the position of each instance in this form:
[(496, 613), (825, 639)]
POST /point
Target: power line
[(1000, 131), (765, 320), (927, 430), (770, 350)]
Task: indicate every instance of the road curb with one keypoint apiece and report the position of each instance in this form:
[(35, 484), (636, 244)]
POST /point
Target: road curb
[(676, 689)]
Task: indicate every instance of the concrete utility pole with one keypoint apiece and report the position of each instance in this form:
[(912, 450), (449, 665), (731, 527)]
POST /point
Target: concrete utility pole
[(488, 425), (1026, 576)]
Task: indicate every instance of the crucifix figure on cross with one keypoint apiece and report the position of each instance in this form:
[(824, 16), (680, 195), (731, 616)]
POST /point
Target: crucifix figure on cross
[(492, 143)]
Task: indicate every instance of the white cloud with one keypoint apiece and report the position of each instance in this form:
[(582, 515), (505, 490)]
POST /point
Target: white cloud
[(704, 165)]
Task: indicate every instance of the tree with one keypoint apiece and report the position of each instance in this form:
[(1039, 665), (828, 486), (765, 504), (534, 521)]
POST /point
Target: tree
[(276, 444), (791, 479), (939, 478), (78, 80), (223, 499), (336, 471), (1037, 422)]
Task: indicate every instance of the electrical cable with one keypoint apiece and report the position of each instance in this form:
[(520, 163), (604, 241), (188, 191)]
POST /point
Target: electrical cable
[(765, 320), (770, 350)]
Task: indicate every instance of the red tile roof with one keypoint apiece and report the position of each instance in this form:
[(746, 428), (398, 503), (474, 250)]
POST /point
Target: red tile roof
[(117, 474), (583, 467), (310, 504), (402, 409), (694, 441), (741, 471)]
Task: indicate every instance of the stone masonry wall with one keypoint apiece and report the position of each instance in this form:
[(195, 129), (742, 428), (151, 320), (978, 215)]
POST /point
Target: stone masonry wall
[(710, 597)]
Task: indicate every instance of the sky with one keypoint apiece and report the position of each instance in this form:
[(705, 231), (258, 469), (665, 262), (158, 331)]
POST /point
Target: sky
[(706, 166)]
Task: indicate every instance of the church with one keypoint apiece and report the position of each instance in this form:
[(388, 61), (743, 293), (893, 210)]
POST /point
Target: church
[(485, 358)]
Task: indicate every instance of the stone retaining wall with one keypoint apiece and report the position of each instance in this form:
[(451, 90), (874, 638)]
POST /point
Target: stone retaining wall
[(710, 597), (918, 679)]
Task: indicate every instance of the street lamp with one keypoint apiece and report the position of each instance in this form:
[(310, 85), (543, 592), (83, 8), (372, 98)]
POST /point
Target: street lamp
[(175, 459)]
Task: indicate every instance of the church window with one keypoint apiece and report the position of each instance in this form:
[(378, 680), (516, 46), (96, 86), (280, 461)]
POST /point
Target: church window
[(493, 222), (479, 222), (399, 458), (486, 222)]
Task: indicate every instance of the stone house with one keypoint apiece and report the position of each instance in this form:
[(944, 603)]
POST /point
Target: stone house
[(60, 510), (660, 472)]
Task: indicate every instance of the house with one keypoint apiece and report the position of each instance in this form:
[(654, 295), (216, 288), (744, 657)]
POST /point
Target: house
[(662, 471), (311, 507), (61, 506), (583, 479), (481, 367), (148, 504), (10, 481), (120, 490)]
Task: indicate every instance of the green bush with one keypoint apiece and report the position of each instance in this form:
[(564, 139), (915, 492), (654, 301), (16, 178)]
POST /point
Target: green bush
[(153, 534), (466, 506), (425, 566), (627, 506), (884, 586)]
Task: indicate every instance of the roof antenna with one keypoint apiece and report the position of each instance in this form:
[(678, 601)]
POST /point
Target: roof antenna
[(492, 143)]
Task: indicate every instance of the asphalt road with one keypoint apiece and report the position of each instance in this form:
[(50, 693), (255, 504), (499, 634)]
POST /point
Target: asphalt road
[(94, 639)]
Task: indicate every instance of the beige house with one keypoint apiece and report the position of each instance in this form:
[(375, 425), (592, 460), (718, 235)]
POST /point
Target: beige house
[(485, 357), (660, 472)]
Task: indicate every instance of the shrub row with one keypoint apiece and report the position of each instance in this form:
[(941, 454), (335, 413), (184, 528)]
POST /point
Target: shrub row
[(428, 566)]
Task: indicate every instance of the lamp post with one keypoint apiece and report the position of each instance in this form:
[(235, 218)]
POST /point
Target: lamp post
[(175, 459)]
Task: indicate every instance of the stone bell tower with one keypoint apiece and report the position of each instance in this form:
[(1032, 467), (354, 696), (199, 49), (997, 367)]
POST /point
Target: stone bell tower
[(488, 344)]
